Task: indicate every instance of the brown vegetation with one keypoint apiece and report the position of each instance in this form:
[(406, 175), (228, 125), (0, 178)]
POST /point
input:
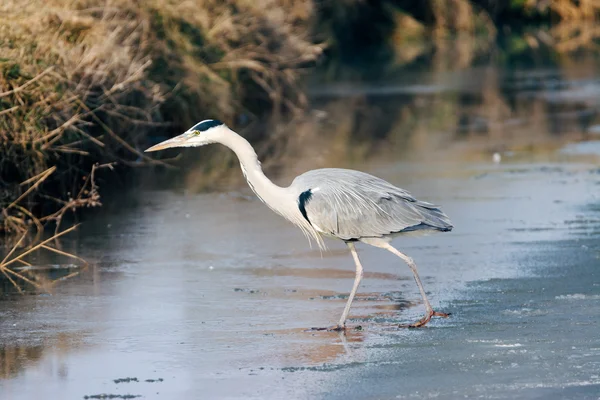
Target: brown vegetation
[(87, 81), (85, 84), (90, 81)]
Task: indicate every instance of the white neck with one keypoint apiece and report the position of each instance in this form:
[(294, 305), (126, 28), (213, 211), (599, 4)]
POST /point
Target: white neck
[(267, 191), (283, 201)]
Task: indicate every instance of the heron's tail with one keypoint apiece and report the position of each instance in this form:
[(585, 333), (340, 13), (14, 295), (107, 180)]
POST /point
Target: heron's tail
[(433, 217)]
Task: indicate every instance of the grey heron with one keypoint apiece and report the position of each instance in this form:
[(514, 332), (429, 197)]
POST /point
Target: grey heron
[(340, 203)]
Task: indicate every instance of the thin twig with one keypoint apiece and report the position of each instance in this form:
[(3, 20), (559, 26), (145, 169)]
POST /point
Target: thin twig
[(12, 281), (124, 143), (63, 149), (13, 249), (64, 253), (64, 278), (49, 172), (23, 86), (20, 276), (36, 247), (135, 76), (9, 110), (57, 131), (33, 178)]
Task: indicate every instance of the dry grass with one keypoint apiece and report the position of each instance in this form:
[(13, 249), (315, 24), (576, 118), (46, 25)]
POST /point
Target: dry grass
[(245, 54), (88, 81)]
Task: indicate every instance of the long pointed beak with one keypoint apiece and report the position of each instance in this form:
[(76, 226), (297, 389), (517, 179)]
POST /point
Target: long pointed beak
[(177, 141)]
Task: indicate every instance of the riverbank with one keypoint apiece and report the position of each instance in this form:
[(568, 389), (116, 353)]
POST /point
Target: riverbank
[(92, 83), (86, 83), (85, 87)]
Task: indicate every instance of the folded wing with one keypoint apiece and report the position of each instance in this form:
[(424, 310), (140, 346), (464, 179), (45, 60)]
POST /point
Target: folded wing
[(351, 205)]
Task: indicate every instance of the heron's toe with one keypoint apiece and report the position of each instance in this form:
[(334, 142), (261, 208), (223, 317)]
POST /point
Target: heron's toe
[(423, 321)]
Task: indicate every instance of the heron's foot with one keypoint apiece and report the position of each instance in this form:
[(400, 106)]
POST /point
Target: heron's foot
[(423, 321), (336, 328)]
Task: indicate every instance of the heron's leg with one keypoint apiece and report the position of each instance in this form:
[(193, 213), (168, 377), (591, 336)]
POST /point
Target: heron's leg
[(357, 278), (413, 267)]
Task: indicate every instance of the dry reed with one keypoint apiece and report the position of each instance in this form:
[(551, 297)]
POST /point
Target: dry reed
[(89, 81), (85, 82), (14, 256)]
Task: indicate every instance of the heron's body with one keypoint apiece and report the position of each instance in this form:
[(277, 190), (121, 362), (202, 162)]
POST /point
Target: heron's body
[(340, 203), (353, 205)]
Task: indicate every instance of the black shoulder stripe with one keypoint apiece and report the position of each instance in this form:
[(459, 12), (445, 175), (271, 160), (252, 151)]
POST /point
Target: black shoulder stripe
[(303, 200)]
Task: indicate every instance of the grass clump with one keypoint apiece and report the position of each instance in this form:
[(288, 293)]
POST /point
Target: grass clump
[(90, 82)]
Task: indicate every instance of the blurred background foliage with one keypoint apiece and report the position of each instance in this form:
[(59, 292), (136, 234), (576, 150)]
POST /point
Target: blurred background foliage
[(89, 83)]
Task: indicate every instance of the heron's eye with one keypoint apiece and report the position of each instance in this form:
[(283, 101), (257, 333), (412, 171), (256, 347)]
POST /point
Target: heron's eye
[(196, 133)]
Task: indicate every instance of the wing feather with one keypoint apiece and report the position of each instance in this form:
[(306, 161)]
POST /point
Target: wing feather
[(351, 204)]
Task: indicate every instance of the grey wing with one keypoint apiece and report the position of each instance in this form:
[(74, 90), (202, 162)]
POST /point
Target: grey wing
[(351, 205)]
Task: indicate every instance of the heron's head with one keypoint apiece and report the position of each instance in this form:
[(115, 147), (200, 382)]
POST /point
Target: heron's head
[(203, 133)]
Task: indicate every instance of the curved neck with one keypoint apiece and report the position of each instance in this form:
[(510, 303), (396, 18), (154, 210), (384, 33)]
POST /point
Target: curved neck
[(284, 201), (269, 193)]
